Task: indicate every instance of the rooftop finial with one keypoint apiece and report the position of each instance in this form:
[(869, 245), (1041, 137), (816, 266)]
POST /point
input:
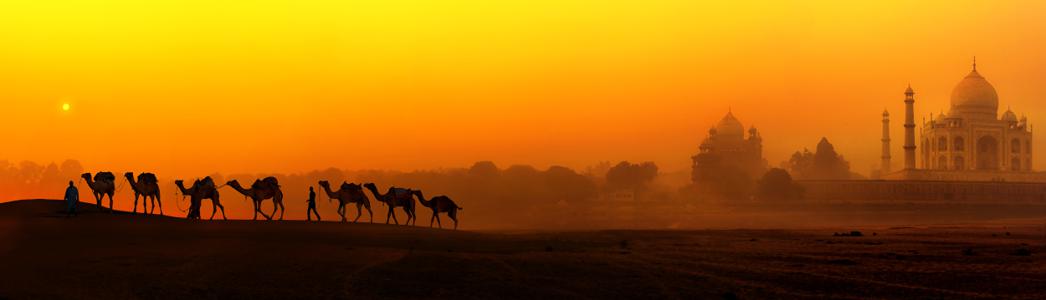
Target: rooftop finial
[(975, 63)]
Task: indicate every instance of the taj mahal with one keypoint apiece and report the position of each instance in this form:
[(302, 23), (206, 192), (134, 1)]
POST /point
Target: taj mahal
[(972, 142)]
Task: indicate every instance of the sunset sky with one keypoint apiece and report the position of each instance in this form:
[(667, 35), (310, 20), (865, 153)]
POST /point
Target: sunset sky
[(186, 87)]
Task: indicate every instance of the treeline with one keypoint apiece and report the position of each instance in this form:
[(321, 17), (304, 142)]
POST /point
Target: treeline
[(28, 179)]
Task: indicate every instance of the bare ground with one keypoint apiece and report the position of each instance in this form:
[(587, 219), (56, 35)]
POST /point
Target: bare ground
[(101, 255)]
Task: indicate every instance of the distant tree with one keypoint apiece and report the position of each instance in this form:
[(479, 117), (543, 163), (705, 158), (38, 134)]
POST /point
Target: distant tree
[(565, 185), (71, 169), (598, 171), (485, 169), (720, 178), (800, 164), (631, 176), (777, 184)]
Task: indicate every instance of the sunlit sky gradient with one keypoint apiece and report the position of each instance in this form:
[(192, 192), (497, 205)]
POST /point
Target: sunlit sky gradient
[(188, 87)]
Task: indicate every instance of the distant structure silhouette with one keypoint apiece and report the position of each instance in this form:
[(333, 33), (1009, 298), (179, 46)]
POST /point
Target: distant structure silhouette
[(72, 198), (885, 163), (349, 193), (971, 142), (970, 154), (147, 187), (909, 128), (104, 183), (312, 206), (728, 163), (201, 189), (261, 190), (395, 197), (440, 204)]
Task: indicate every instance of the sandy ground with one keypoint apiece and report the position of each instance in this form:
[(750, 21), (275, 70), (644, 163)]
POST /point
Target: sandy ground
[(101, 255)]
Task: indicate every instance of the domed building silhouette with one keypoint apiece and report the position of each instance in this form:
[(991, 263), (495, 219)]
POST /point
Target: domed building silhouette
[(726, 152), (972, 142)]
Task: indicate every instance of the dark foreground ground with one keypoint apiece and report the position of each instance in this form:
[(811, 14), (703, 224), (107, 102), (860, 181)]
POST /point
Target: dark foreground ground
[(108, 256)]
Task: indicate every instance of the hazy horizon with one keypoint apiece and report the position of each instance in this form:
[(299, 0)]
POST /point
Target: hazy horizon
[(181, 88)]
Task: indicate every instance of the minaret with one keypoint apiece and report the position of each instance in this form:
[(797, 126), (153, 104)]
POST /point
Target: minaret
[(909, 128), (885, 168)]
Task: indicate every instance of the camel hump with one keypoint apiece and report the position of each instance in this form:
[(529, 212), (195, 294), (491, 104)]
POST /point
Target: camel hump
[(149, 178), (346, 186), (207, 182), (402, 192), (105, 176), (271, 182)]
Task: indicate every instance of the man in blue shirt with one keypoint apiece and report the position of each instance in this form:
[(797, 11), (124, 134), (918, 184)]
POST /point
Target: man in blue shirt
[(72, 197)]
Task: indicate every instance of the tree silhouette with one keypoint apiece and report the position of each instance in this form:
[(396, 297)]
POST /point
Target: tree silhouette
[(777, 184)]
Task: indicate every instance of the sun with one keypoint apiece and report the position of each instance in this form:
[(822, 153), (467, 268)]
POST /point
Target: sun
[(65, 106)]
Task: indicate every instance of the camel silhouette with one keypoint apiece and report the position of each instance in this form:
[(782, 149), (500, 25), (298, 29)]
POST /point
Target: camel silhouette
[(146, 187), (349, 193), (201, 189), (395, 197), (260, 191), (440, 204), (104, 183)]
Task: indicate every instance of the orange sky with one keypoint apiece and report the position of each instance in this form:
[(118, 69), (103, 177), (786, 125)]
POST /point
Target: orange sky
[(188, 87)]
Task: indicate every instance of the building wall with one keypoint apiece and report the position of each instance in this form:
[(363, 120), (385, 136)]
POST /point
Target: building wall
[(913, 191), (952, 144)]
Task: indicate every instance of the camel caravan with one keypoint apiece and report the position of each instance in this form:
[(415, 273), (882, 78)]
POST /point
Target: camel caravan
[(146, 186)]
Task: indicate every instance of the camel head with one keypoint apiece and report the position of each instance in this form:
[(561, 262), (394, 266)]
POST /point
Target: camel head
[(86, 176), (325, 184), (181, 186), (370, 185), (129, 175)]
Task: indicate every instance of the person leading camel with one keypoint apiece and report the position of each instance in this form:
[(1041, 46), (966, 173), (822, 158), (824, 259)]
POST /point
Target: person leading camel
[(312, 205), (72, 198)]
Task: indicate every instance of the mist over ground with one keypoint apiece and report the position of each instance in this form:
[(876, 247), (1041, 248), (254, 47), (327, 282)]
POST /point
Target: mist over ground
[(621, 195)]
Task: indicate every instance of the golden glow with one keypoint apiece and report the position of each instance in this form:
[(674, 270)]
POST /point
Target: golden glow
[(194, 86), (65, 106)]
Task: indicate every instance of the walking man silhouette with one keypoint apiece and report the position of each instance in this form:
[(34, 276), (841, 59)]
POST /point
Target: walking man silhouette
[(72, 198), (312, 205)]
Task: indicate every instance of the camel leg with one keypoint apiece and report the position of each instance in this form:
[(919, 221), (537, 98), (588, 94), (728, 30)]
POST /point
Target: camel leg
[(158, 203), (98, 200), (392, 212), (432, 220), (134, 209), (219, 204), (111, 204), (274, 208), (267, 217), (214, 210), (283, 210), (359, 213), (453, 214), (438, 222)]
